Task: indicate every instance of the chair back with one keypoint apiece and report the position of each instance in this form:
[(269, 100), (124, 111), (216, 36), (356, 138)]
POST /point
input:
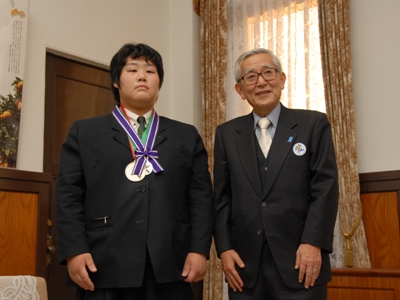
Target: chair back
[(23, 288)]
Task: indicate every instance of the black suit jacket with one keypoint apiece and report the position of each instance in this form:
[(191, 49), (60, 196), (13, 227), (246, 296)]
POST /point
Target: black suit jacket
[(100, 211), (297, 202)]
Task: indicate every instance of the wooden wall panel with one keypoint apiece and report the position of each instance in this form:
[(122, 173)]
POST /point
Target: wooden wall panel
[(380, 197), (25, 198), (365, 284), (381, 222), (18, 231), (361, 293)]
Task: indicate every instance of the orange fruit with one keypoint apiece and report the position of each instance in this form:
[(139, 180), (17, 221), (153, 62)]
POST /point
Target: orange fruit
[(18, 103), (5, 114), (19, 86)]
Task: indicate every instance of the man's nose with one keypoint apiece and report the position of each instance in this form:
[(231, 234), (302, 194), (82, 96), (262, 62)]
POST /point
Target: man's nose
[(141, 75), (261, 80)]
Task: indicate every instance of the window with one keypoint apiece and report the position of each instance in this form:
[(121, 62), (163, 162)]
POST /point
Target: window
[(291, 31)]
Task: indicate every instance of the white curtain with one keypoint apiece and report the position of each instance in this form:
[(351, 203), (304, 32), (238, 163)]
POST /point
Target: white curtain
[(290, 30)]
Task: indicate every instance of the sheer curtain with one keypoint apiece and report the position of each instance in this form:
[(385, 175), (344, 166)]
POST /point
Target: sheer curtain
[(290, 29)]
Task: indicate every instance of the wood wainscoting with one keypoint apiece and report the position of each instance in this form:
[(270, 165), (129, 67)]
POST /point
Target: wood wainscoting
[(24, 210), (364, 284), (380, 198)]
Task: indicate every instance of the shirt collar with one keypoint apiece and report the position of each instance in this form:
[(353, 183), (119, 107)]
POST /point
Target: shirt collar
[(273, 116), (133, 117)]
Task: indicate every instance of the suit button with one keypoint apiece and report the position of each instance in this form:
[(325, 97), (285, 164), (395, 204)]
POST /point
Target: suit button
[(259, 231), (263, 204), (266, 168), (142, 188)]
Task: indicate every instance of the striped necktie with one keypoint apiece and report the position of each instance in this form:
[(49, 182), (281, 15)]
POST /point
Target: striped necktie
[(141, 120)]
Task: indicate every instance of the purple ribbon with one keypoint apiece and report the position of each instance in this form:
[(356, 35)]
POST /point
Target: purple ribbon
[(145, 152)]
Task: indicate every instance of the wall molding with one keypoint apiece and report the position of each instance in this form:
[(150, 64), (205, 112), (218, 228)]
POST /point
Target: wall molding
[(385, 181)]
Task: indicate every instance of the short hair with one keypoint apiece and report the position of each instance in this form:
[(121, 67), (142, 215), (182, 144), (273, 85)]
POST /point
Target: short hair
[(134, 51), (238, 64)]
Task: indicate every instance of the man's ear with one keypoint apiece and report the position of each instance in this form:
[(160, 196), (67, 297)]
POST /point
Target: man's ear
[(283, 80), (239, 90), (115, 85)]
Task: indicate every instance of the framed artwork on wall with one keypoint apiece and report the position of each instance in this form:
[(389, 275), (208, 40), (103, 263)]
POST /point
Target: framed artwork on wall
[(13, 35)]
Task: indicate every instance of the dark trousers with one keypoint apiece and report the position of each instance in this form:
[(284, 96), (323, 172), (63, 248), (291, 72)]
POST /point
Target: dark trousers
[(150, 290), (270, 285)]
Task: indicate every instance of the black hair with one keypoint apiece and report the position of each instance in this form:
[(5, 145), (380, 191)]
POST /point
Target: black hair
[(134, 51)]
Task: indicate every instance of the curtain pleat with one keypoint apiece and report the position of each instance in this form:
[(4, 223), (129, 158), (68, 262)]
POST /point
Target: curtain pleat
[(352, 250), (213, 61)]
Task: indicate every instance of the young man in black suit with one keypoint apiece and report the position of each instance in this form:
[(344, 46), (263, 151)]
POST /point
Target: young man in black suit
[(277, 197), (134, 195)]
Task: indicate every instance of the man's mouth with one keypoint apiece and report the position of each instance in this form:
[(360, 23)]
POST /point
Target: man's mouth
[(263, 93)]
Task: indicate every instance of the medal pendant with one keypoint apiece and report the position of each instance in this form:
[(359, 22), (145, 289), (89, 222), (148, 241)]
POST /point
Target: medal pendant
[(133, 177)]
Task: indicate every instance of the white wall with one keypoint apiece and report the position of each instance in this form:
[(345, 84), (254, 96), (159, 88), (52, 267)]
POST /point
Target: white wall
[(184, 38), (94, 30), (375, 47)]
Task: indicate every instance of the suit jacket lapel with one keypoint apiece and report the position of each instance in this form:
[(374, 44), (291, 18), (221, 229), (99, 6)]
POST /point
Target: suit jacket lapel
[(281, 145), (161, 133), (244, 143), (120, 134)]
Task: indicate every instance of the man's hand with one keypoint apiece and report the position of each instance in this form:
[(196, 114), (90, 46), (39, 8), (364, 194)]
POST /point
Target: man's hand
[(77, 270), (230, 258), (195, 267), (308, 262)]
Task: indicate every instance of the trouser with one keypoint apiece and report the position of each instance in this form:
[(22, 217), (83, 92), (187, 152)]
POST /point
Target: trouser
[(270, 285), (150, 290)]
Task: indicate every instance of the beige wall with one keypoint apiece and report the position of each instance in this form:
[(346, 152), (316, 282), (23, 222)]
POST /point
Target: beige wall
[(95, 29), (375, 45)]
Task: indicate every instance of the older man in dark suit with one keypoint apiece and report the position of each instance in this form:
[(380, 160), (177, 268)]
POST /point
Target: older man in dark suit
[(276, 191), (134, 195)]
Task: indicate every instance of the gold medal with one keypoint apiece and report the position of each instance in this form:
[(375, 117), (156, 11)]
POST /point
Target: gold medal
[(133, 177)]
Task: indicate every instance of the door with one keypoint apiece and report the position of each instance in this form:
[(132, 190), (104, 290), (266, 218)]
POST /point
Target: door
[(74, 91)]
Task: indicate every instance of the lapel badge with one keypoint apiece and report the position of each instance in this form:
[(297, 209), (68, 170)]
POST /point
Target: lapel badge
[(299, 149), (290, 139)]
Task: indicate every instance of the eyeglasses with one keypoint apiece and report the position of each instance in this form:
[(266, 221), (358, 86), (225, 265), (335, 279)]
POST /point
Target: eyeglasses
[(252, 77)]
